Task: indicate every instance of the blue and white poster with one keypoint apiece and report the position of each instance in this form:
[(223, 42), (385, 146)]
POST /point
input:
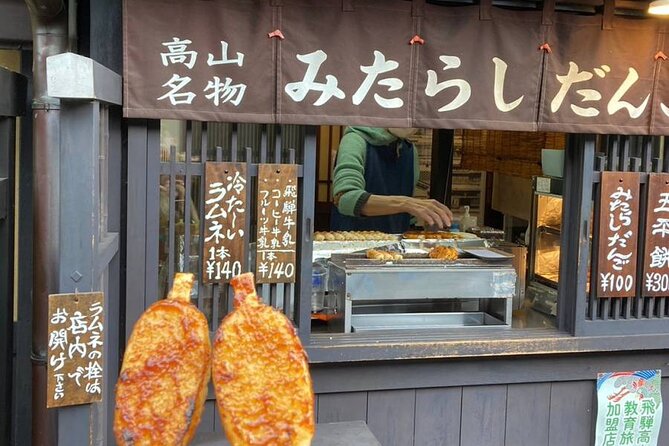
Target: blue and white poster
[(629, 408)]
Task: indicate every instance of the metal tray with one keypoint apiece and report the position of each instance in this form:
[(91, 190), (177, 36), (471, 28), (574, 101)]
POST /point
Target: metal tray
[(408, 321), (326, 249), (431, 243), (489, 254)]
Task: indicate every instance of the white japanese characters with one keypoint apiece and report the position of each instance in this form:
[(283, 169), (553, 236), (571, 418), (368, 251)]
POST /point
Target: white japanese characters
[(277, 220), (75, 348), (615, 104), (656, 272), (224, 225), (578, 89), (619, 244), (298, 90), (218, 91)]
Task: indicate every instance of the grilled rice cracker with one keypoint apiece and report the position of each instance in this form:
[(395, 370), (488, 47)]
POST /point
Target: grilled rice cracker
[(162, 387), (261, 375)]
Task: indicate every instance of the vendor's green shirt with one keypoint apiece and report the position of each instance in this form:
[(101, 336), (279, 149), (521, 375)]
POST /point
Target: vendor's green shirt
[(349, 174)]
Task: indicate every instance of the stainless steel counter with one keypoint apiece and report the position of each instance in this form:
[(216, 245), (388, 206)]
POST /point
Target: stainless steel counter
[(421, 293)]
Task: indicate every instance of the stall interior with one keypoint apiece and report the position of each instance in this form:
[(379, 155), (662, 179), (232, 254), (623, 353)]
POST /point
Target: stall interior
[(472, 274)]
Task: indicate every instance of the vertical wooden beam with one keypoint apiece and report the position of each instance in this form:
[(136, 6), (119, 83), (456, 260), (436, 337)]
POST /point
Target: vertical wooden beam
[(441, 170), (575, 248), (305, 229), (7, 151), (22, 407)]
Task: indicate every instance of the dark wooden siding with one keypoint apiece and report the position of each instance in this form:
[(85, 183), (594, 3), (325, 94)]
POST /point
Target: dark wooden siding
[(537, 414), (472, 402)]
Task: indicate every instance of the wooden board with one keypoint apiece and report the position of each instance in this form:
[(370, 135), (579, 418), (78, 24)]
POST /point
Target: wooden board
[(350, 433), (390, 416), (438, 416), (572, 412), (75, 345), (224, 221), (338, 407), (618, 234), (277, 223), (656, 257), (525, 402), (483, 406), (664, 429)]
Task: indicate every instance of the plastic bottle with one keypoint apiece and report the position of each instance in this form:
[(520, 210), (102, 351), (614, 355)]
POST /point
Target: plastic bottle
[(467, 221), (318, 274)]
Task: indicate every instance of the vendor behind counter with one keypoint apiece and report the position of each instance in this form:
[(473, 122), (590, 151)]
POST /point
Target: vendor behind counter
[(374, 180)]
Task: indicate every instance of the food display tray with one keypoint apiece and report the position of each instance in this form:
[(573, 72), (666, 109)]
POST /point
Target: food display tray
[(471, 242), (326, 249)]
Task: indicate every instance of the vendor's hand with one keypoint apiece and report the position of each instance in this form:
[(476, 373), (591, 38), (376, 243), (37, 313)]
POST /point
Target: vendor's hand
[(432, 212)]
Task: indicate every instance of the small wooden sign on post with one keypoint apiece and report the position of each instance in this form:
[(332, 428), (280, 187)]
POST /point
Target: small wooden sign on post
[(224, 221), (75, 344), (618, 234), (277, 223), (656, 258)]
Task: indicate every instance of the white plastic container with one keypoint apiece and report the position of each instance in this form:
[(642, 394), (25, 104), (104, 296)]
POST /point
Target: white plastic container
[(467, 221)]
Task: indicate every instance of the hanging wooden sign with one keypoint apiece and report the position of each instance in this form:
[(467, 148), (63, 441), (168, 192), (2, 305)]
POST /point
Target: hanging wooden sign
[(224, 221), (656, 257), (618, 234), (75, 346), (277, 223)]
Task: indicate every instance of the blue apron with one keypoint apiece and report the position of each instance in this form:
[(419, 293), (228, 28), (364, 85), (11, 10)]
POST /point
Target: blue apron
[(387, 172)]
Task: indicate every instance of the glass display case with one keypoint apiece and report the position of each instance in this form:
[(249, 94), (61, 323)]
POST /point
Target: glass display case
[(544, 252)]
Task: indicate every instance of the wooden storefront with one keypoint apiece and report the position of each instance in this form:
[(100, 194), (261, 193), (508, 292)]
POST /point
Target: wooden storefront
[(520, 386)]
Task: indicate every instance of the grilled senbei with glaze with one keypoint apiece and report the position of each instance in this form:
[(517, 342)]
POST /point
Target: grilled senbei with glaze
[(162, 387), (261, 375)]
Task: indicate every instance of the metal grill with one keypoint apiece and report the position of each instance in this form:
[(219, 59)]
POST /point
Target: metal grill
[(184, 148), (633, 154)]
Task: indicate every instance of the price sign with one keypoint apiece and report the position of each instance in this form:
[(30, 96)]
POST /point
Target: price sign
[(224, 221), (618, 233), (277, 223), (656, 259), (76, 332)]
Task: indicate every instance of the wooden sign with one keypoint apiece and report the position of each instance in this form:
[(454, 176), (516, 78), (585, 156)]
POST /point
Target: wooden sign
[(656, 257), (224, 221), (76, 339), (618, 234), (277, 223)]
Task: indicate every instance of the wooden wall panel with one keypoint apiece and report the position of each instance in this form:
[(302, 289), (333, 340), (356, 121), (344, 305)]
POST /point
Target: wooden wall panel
[(342, 407), (528, 412), (316, 407), (437, 421), (483, 416), (207, 420), (218, 426), (533, 414), (664, 430), (571, 413), (390, 416)]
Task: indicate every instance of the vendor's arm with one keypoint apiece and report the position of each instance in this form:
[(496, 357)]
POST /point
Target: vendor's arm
[(349, 175), (431, 212)]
